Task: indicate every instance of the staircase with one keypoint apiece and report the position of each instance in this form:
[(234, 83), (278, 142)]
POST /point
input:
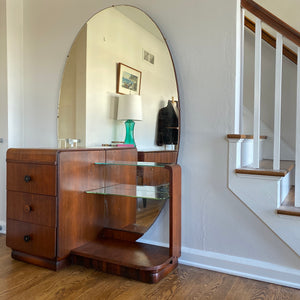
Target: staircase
[(263, 191), (268, 187)]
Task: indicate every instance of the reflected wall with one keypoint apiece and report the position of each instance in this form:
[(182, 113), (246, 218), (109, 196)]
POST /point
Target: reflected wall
[(88, 99)]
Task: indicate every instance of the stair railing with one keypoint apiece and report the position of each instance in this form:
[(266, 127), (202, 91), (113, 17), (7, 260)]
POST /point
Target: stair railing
[(283, 30)]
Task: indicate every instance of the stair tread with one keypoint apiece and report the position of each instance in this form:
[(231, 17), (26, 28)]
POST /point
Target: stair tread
[(266, 168), (289, 210), (288, 205), (243, 136)]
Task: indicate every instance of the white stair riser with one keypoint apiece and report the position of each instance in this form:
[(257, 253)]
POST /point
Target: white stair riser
[(285, 184), (247, 151)]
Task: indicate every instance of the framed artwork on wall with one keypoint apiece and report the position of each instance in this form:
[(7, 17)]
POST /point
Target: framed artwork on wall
[(128, 80)]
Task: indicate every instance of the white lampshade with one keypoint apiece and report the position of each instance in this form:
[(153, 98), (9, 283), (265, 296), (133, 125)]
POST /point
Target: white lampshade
[(130, 108)]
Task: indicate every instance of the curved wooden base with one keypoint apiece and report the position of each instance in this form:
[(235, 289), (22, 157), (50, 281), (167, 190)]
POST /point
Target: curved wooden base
[(143, 262), (40, 261), (149, 269), (136, 274)]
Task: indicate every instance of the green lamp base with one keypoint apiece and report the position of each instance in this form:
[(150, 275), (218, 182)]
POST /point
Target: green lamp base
[(129, 138)]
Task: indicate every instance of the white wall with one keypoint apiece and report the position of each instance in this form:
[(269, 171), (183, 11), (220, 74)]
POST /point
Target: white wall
[(112, 38), (11, 87), (3, 109), (218, 231), (287, 10), (72, 102), (14, 19)]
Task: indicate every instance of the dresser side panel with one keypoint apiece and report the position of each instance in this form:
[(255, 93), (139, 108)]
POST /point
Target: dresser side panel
[(80, 215)]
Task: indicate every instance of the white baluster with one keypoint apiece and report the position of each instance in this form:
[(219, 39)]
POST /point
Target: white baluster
[(257, 94), (297, 158), (277, 104), (242, 71), (238, 110)]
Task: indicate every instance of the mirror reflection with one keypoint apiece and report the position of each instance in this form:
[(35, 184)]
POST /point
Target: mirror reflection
[(118, 51), (120, 55)]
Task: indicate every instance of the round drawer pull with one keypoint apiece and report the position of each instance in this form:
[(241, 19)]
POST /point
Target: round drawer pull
[(27, 208), (27, 178), (27, 238)]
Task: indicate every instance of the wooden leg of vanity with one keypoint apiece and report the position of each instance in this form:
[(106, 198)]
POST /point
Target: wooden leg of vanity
[(175, 210)]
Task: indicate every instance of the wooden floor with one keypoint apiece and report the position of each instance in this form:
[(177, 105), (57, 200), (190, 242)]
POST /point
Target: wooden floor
[(23, 281)]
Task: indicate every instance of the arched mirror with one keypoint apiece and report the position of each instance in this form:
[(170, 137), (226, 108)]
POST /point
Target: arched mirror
[(120, 53)]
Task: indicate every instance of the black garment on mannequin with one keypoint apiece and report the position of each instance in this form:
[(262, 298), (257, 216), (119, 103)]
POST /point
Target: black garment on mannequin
[(167, 126)]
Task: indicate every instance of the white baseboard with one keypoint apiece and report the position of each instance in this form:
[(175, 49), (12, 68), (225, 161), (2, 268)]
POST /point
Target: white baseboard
[(2, 227), (238, 266)]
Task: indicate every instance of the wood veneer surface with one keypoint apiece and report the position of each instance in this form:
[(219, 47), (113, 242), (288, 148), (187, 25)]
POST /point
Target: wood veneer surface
[(32, 208), (84, 215), (153, 175), (44, 156), (175, 210), (24, 281), (42, 238), (120, 211), (125, 253), (80, 215), (42, 178)]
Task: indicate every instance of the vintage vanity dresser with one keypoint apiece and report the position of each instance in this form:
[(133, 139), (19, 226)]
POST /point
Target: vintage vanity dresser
[(91, 206), (80, 206)]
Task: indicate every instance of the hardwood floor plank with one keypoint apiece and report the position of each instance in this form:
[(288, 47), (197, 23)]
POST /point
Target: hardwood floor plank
[(19, 281), (253, 289)]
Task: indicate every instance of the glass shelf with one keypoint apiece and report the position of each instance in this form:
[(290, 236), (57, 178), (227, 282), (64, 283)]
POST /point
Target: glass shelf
[(134, 163), (160, 192)]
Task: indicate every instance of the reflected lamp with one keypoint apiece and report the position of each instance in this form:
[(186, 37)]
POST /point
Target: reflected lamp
[(130, 110)]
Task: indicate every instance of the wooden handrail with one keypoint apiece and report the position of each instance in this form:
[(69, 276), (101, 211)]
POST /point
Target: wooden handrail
[(271, 40), (267, 17)]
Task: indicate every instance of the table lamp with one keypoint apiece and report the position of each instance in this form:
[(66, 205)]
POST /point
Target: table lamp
[(130, 109)]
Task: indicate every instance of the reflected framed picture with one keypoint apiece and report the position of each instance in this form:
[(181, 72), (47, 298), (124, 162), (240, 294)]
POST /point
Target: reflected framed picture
[(128, 80)]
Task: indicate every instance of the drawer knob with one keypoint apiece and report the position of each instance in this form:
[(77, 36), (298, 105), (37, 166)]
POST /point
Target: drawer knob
[(27, 238), (27, 208), (27, 178)]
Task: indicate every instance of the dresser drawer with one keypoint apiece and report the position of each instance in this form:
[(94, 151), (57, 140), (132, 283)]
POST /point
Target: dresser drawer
[(31, 178), (31, 238), (32, 208)]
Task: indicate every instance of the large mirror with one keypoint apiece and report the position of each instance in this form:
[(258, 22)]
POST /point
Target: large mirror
[(120, 53), (118, 37)]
